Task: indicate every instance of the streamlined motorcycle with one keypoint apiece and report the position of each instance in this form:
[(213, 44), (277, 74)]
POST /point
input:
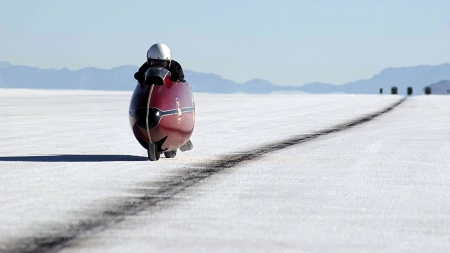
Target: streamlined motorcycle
[(162, 114)]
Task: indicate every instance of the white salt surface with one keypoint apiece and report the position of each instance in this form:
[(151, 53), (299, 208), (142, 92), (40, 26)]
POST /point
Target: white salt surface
[(380, 186)]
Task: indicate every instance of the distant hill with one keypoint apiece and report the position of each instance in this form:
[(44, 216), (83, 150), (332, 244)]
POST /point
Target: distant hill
[(442, 87), (415, 77), (121, 78)]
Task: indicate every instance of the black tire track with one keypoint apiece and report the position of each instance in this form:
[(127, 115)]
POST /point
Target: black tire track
[(58, 238)]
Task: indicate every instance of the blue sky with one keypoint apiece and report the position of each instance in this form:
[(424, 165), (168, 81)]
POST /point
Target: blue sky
[(285, 42)]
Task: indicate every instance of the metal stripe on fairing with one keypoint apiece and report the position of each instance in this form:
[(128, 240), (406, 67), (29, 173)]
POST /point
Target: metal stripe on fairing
[(174, 111), (148, 111), (187, 109), (167, 112), (161, 114)]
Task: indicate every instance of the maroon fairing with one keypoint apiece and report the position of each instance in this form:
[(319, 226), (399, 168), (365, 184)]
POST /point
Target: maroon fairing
[(171, 114)]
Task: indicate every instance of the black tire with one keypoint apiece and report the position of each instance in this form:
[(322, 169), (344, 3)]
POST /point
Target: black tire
[(152, 152), (394, 90), (170, 154), (409, 90), (187, 146)]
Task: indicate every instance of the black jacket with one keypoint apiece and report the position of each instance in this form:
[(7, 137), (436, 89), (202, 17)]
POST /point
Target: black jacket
[(174, 68)]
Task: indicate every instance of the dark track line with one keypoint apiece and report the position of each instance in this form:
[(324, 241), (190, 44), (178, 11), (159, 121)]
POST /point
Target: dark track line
[(58, 238)]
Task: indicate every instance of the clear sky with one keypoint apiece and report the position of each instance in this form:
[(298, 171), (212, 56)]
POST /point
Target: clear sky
[(285, 42)]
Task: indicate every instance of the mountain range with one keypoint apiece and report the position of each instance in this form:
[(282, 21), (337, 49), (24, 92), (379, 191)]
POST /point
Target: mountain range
[(442, 87), (416, 77), (121, 78)]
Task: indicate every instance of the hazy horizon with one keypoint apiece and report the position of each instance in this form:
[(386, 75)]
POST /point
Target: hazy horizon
[(288, 43)]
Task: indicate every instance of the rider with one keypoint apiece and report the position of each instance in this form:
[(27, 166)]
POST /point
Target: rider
[(160, 55)]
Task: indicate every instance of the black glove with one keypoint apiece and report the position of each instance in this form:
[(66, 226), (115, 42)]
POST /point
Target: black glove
[(174, 76), (139, 77)]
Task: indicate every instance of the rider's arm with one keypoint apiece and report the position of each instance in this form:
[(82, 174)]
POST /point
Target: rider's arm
[(143, 68), (140, 75), (176, 70)]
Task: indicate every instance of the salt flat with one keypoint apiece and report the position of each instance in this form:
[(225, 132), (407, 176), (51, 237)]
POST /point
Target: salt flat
[(379, 186)]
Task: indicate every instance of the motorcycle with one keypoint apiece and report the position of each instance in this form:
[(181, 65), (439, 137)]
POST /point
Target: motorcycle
[(162, 113)]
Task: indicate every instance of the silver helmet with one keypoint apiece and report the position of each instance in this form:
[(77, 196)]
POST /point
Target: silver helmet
[(159, 55)]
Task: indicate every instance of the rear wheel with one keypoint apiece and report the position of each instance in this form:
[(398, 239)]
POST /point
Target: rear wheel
[(170, 154), (187, 146), (152, 152)]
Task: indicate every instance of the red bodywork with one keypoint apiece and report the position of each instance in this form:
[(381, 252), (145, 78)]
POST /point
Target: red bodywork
[(173, 105)]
